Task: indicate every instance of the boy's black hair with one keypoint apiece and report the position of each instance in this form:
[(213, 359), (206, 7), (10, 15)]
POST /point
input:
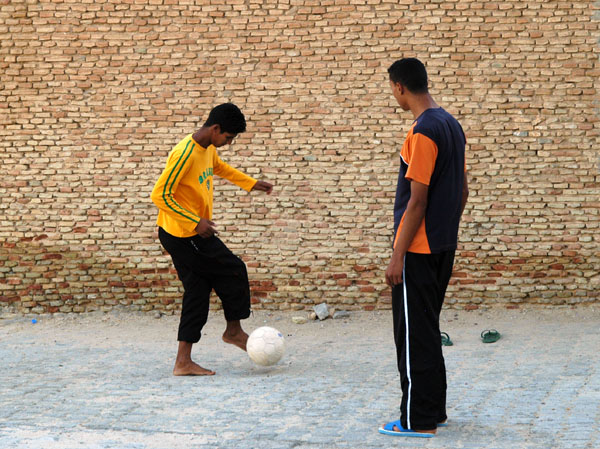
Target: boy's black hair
[(229, 117), (411, 73)]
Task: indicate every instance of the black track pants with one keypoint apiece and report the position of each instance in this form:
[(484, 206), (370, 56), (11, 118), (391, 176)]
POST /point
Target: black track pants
[(416, 305), (203, 265)]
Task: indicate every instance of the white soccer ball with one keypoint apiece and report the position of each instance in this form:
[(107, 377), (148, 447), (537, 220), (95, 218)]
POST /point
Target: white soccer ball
[(265, 346)]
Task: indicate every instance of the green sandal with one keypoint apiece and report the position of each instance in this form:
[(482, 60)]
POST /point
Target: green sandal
[(490, 336), (446, 339)]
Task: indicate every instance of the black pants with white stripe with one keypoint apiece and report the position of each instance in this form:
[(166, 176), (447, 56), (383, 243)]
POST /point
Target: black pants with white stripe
[(417, 304)]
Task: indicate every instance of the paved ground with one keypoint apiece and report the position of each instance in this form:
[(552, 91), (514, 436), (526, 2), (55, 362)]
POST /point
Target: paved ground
[(104, 382)]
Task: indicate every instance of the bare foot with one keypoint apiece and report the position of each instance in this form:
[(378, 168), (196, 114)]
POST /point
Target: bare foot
[(238, 339), (191, 369)]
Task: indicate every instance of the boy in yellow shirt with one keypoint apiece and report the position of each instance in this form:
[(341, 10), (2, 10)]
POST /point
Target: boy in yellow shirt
[(184, 197)]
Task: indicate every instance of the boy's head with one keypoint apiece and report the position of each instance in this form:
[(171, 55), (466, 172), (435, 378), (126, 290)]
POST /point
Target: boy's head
[(226, 122), (411, 73), (407, 76)]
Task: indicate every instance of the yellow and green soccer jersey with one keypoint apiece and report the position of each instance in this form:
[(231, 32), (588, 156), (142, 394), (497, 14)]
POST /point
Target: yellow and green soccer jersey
[(184, 190)]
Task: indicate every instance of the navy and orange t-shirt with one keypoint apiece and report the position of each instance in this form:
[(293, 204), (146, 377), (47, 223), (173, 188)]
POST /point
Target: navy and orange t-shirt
[(433, 154)]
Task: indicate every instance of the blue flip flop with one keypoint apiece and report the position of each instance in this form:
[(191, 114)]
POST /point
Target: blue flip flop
[(388, 429)]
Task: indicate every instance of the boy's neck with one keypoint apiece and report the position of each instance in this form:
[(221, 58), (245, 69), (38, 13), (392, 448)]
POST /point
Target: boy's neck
[(420, 103), (202, 137)]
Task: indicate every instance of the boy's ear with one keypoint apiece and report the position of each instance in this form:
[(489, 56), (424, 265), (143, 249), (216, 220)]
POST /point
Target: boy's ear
[(214, 132)]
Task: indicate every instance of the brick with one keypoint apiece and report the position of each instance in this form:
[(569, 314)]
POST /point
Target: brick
[(89, 115)]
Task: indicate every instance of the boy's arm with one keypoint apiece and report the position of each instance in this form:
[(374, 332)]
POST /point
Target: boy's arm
[(226, 171), (465, 194), (163, 193), (414, 215)]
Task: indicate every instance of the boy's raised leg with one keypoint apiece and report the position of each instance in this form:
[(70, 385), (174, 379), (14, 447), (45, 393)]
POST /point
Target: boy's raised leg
[(235, 335)]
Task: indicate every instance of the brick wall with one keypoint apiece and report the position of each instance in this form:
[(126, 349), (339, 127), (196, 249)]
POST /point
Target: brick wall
[(94, 94)]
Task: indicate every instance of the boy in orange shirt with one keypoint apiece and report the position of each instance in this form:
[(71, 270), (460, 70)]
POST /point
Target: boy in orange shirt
[(430, 198), (184, 197)]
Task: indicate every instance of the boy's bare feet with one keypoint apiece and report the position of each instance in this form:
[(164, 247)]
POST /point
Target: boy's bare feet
[(185, 366), (235, 335), (191, 369)]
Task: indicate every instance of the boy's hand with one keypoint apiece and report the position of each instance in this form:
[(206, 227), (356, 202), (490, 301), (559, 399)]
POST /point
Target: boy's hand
[(393, 274), (263, 187), (205, 228)]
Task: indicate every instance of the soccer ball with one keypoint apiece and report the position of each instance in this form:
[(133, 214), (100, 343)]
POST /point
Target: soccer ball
[(265, 346)]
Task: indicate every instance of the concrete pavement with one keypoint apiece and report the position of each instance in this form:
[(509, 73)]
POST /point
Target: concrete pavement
[(103, 381)]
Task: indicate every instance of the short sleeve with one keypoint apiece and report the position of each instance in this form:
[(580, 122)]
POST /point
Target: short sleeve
[(421, 154)]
